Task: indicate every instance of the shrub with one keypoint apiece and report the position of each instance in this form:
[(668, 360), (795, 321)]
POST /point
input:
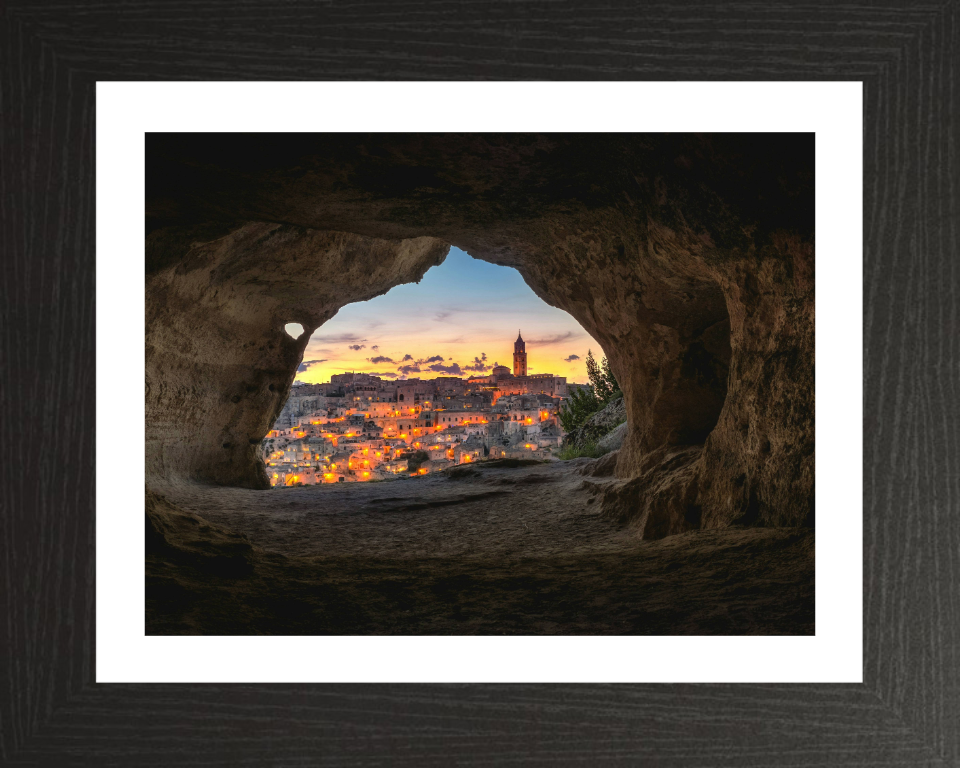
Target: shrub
[(590, 451), (415, 459), (579, 407), (583, 403)]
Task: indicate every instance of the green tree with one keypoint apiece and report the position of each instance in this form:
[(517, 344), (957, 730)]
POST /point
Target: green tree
[(612, 383), (577, 409), (602, 380), (583, 403), (598, 384)]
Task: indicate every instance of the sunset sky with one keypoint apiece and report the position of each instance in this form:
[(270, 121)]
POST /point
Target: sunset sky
[(460, 320)]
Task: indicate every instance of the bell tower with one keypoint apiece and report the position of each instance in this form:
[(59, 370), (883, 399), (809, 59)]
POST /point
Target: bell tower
[(519, 356)]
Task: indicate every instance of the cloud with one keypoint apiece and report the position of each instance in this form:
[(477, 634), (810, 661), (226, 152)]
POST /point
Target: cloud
[(357, 347), (415, 366), (375, 347), (546, 341), (385, 374), (479, 364), (571, 358), (441, 368), (337, 338), (379, 359), (307, 363), (444, 312)]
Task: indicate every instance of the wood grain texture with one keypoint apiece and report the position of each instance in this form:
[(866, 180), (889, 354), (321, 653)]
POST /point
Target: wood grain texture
[(907, 711)]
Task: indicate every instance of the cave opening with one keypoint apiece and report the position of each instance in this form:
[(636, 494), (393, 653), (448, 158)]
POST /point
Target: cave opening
[(294, 330), (402, 385)]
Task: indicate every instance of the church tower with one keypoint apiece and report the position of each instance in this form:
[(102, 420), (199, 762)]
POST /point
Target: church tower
[(519, 356)]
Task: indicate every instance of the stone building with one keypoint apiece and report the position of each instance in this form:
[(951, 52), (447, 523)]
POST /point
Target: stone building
[(519, 356), (471, 450), (356, 414), (396, 466), (537, 383), (412, 391), (449, 385), (520, 382), (455, 418)]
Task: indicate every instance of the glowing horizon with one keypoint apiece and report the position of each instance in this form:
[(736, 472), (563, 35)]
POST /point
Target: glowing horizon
[(460, 320)]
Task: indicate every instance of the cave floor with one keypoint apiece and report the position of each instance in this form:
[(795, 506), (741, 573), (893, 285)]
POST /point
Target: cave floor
[(497, 550)]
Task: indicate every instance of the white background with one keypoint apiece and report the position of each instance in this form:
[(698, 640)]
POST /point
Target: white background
[(125, 111)]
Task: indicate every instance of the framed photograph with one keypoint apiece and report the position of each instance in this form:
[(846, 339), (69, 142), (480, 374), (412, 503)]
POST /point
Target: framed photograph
[(480, 397), (333, 459)]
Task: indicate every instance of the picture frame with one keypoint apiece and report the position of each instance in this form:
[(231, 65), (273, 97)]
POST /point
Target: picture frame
[(906, 711)]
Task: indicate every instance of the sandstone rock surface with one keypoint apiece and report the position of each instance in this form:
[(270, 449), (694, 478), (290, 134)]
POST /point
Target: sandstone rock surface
[(613, 440), (500, 548)]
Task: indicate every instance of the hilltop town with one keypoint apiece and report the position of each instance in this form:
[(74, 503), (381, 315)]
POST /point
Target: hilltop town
[(359, 428)]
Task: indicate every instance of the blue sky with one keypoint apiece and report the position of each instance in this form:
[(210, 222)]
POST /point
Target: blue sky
[(460, 320)]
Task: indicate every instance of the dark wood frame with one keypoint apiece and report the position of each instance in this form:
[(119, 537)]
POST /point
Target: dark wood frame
[(907, 711)]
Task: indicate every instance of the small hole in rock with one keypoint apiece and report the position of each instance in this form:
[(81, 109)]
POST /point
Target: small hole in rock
[(295, 330)]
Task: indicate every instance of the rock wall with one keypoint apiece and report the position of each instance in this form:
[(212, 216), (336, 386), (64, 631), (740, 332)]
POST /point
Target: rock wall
[(613, 440), (689, 258), (219, 363)]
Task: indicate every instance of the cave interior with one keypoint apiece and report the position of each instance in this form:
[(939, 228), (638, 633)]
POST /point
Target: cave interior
[(688, 257)]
